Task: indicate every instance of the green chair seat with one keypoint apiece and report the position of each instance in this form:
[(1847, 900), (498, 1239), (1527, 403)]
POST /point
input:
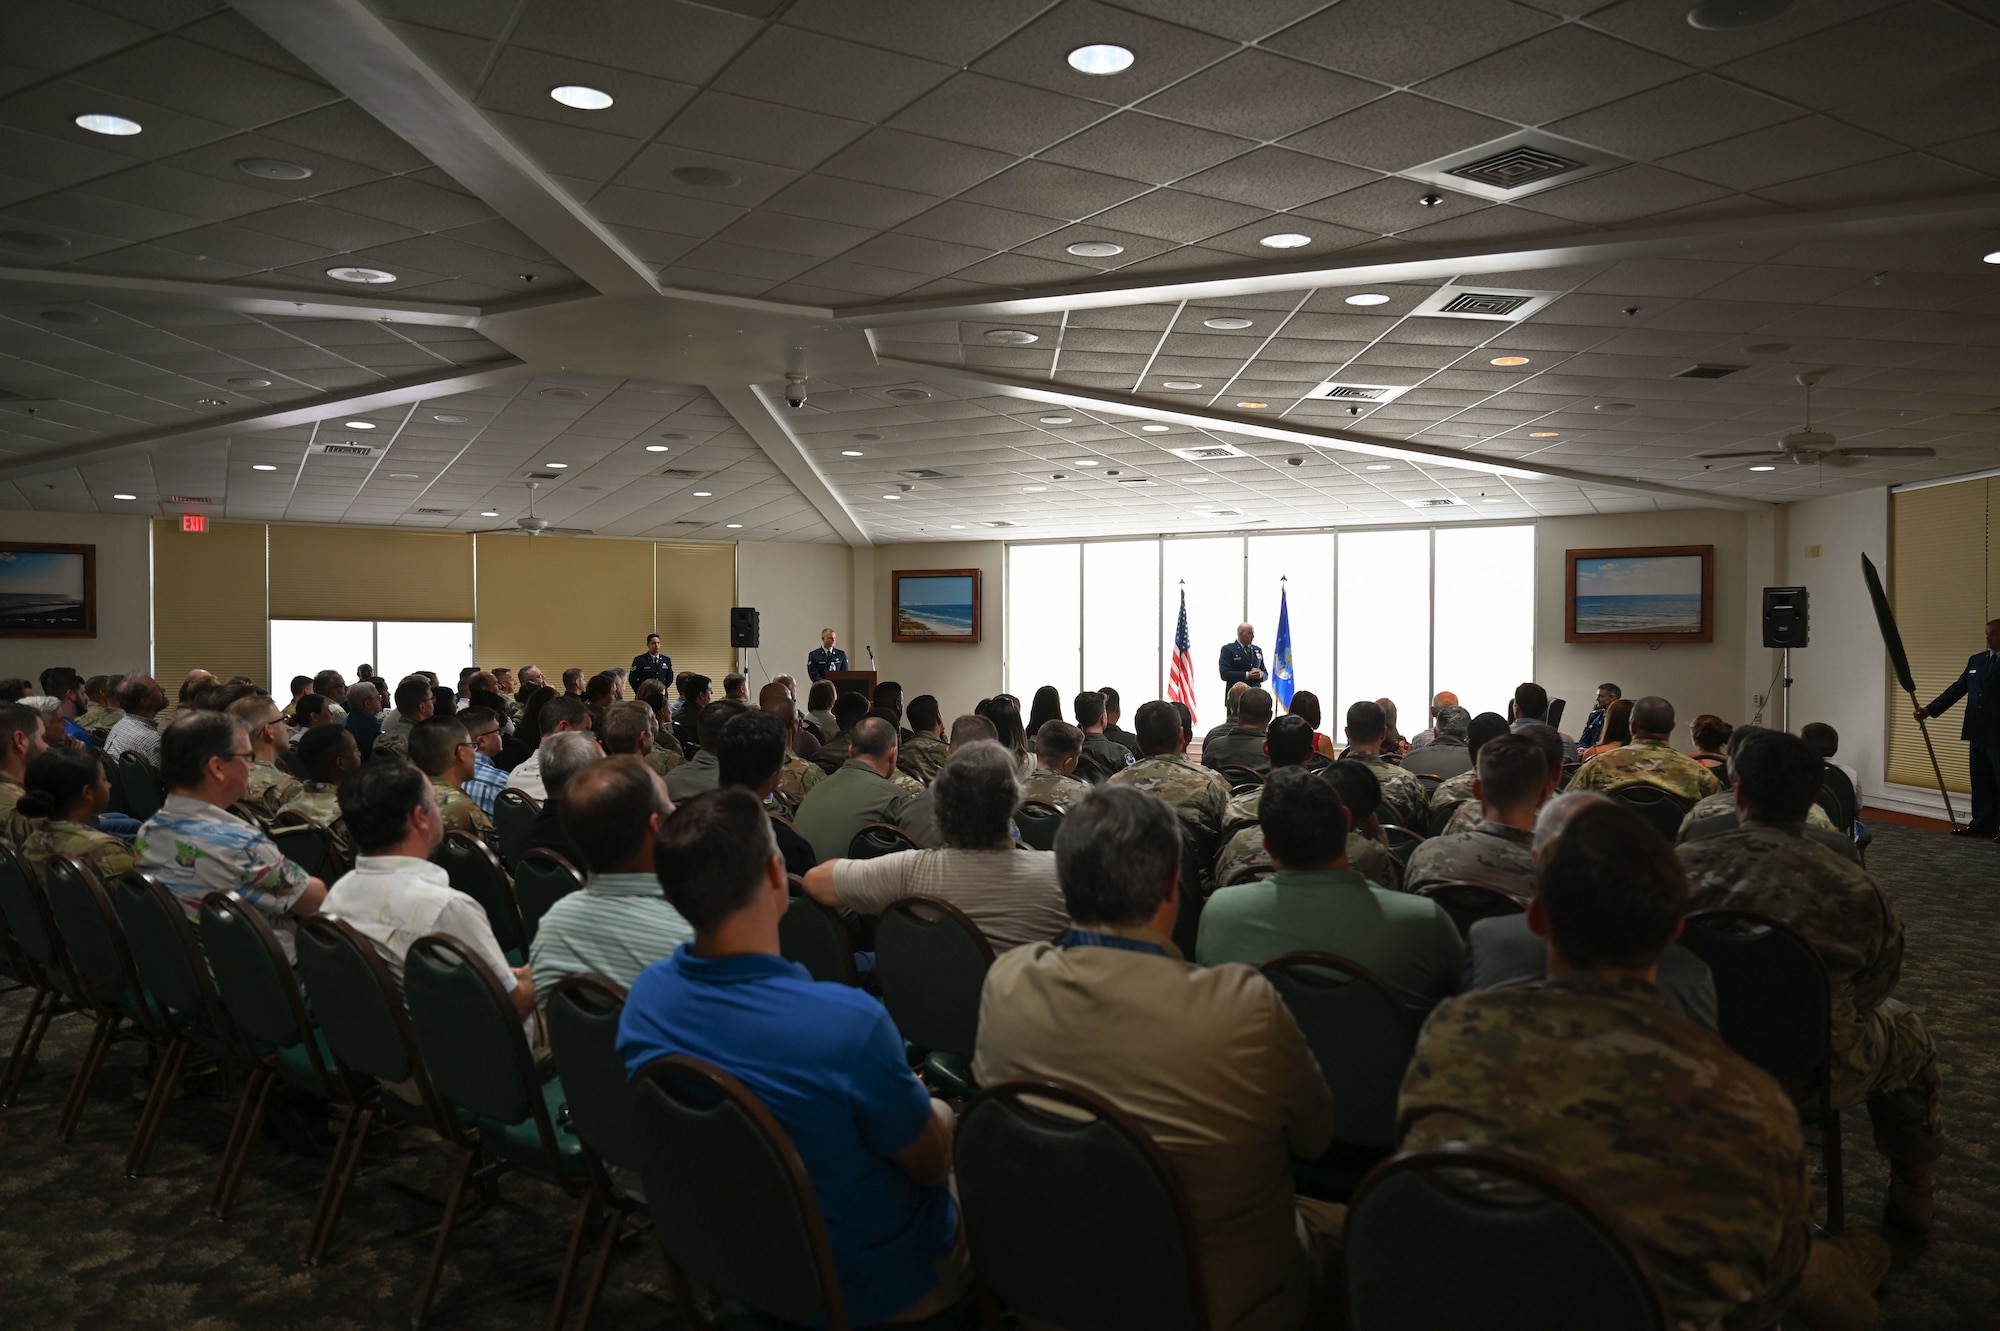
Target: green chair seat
[(521, 1143), (950, 1074), (296, 1065)]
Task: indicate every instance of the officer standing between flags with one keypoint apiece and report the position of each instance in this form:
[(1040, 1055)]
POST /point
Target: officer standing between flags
[(1243, 660)]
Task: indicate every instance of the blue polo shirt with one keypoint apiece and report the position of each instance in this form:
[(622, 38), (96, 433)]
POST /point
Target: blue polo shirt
[(828, 1063)]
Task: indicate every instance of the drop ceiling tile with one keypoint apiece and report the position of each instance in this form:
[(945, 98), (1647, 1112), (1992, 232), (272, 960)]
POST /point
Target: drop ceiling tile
[(1630, 192), (665, 38), (1044, 188), (830, 199), (994, 113), (1683, 114), (1397, 132), (520, 81), (1037, 54), (792, 235), (717, 122), (914, 162), (1844, 64), (1405, 41), (1275, 178), (1257, 95), (952, 34), (1551, 75), (1802, 147), (917, 254), (1882, 181), (653, 169), (825, 74), (1177, 215)]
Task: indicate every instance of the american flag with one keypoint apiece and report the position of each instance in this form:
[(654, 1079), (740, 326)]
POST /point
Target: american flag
[(1180, 679)]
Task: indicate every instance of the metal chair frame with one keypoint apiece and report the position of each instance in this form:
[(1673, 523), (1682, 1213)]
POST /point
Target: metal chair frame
[(1296, 968), (58, 991), (1442, 893), (504, 912), (888, 832), (602, 1194), (511, 827), (546, 861)]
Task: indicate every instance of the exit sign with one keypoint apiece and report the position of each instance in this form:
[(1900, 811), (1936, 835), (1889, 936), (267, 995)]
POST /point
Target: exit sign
[(194, 522)]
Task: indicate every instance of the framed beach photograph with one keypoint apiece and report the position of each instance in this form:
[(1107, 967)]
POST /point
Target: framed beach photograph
[(936, 605), (1660, 593), (47, 591)]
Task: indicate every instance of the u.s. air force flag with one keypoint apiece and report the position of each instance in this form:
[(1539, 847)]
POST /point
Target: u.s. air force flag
[(1282, 682)]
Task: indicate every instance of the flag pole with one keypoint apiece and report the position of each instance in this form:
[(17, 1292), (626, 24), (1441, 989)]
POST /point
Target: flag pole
[(1899, 661)]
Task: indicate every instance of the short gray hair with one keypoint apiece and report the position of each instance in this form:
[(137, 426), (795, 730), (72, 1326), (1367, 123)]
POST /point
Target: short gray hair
[(976, 792), (564, 754), (361, 692), (1115, 855), (45, 704), (1555, 814), (1453, 721)]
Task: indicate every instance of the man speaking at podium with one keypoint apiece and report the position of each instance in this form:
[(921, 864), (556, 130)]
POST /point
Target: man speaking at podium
[(824, 657), (1243, 660)]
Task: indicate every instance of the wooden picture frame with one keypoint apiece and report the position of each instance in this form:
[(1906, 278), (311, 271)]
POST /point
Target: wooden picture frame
[(925, 605), (47, 590), (1660, 604)]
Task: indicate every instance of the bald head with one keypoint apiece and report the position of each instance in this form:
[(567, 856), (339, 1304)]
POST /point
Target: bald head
[(873, 739), (1652, 717), (1555, 814), (611, 811)]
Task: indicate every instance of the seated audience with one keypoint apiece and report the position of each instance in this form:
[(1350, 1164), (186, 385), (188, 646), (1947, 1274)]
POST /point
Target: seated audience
[(1648, 760), (1882, 1052), (1711, 743), (1402, 794), (1058, 746), (1448, 751), (64, 792), (1208, 1060), (1232, 699), (1198, 796), (1288, 743), (750, 755), (1305, 704), (1614, 733), (484, 727), (395, 895), (857, 794), (141, 698), (1009, 892), (1717, 813), (1531, 707), (700, 772), (1456, 790), (332, 686), (1004, 711), (1593, 725), (195, 846), (1317, 903), (1241, 743), (824, 1059), (919, 816), (1425, 738), (572, 682), (21, 743), (526, 736), (101, 714), (599, 693), (1046, 707), (1367, 846), (619, 924), (1102, 757), (442, 749), (1394, 746), (921, 755), (364, 716), (558, 714), (271, 782), (308, 711), (1825, 741), (329, 754), (1505, 950), (694, 691), (798, 774), (195, 681), (563, 755), (1692, 1146), (66, 687), (416, 700), (1113, 713), (848, 709), (819, 711), (1514, 779)]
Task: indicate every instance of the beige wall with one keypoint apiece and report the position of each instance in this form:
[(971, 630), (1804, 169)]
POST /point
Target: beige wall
[(960, 674), (1696, 677), (124, 640), (798, 589)]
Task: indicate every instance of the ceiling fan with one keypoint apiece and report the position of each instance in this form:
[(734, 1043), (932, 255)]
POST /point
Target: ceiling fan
[(1809, 445), (530, 525)]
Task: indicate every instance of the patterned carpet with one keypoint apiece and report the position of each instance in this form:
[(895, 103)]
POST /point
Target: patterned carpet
[(81, 1247)]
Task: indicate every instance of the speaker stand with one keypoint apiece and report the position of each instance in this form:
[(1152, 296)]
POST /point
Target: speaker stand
[(1785, 690)]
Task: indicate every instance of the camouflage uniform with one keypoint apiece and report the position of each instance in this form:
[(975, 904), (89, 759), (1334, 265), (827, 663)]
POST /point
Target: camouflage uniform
[(1402, 792), (920, 757), (664, 758), (1646, 762), (1237, 746), (319, 801), (1881, 1051), (1724, 802), (13, 826), (795, 778), (460, 812), (1046, 783), (98, 720), (270, 786), (1491, 855), (1198, 795), (1695, 1148), (1452, 790), (1243, 855), (100, 852), (1464, 818), (833, 753)]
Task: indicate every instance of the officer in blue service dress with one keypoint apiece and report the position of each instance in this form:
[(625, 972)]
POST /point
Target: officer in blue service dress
[(1243, 660), (824, 657), (1980, 687), (650, 664)]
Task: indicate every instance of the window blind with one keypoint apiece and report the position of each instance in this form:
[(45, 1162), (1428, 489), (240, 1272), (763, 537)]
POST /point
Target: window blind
[(697, 586), (1940, 576), (557, 602), (208, 602), (356, 573)]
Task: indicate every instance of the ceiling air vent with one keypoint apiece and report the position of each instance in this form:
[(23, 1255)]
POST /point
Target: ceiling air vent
[(186, 499), (1434, 503), (1348, 391), (1516, 165), (999, 524), (1208, 452), (1710, 371), (683, 473), (1136, 480), (1504, 304), (542, 475), (927, 474), (435, 512), (344, 450)]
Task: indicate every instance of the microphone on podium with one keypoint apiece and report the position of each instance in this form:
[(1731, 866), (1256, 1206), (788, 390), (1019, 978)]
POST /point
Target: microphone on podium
[(871, 656)]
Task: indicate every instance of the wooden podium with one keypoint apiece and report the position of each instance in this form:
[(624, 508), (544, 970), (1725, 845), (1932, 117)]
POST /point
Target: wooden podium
[(852, 681)]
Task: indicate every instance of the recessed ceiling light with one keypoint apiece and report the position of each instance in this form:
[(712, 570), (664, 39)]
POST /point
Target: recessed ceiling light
[(1225, 323), (364, 276), (1379, 466), (1156, 429), (1100, 59), (210, 402), (1033, 489), (1095, 249), (262, 466), (1763, 466), (1368, 298), (908, 394), (657, 448), (1728, 15), (449, 420), (1180, 385), (851, 453), (958, 526), (1058, 420), (556, 466), (1541, 434), (404, 476), (1013, 337), (1993, 257), (1253, 406), (489, 513), (581, 98), (249, 383), (117, 126), (273, 168), (892, 496), (359, 425), (561, 393), (707, 177), (733, 526), (704, 494), (124, 496), (1285, 240), (1612, 406), (1198, 480), (1495, 499), (1509, 360)]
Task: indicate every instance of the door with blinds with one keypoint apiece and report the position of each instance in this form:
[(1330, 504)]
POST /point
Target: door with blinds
[(1944, 579)]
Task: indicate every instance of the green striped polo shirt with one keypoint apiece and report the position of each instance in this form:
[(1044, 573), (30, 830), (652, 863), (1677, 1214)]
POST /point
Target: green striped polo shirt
[(618, 925)]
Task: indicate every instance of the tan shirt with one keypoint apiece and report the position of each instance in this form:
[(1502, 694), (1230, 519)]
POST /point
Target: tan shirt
[(1010, 894), (1210, 1061)]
